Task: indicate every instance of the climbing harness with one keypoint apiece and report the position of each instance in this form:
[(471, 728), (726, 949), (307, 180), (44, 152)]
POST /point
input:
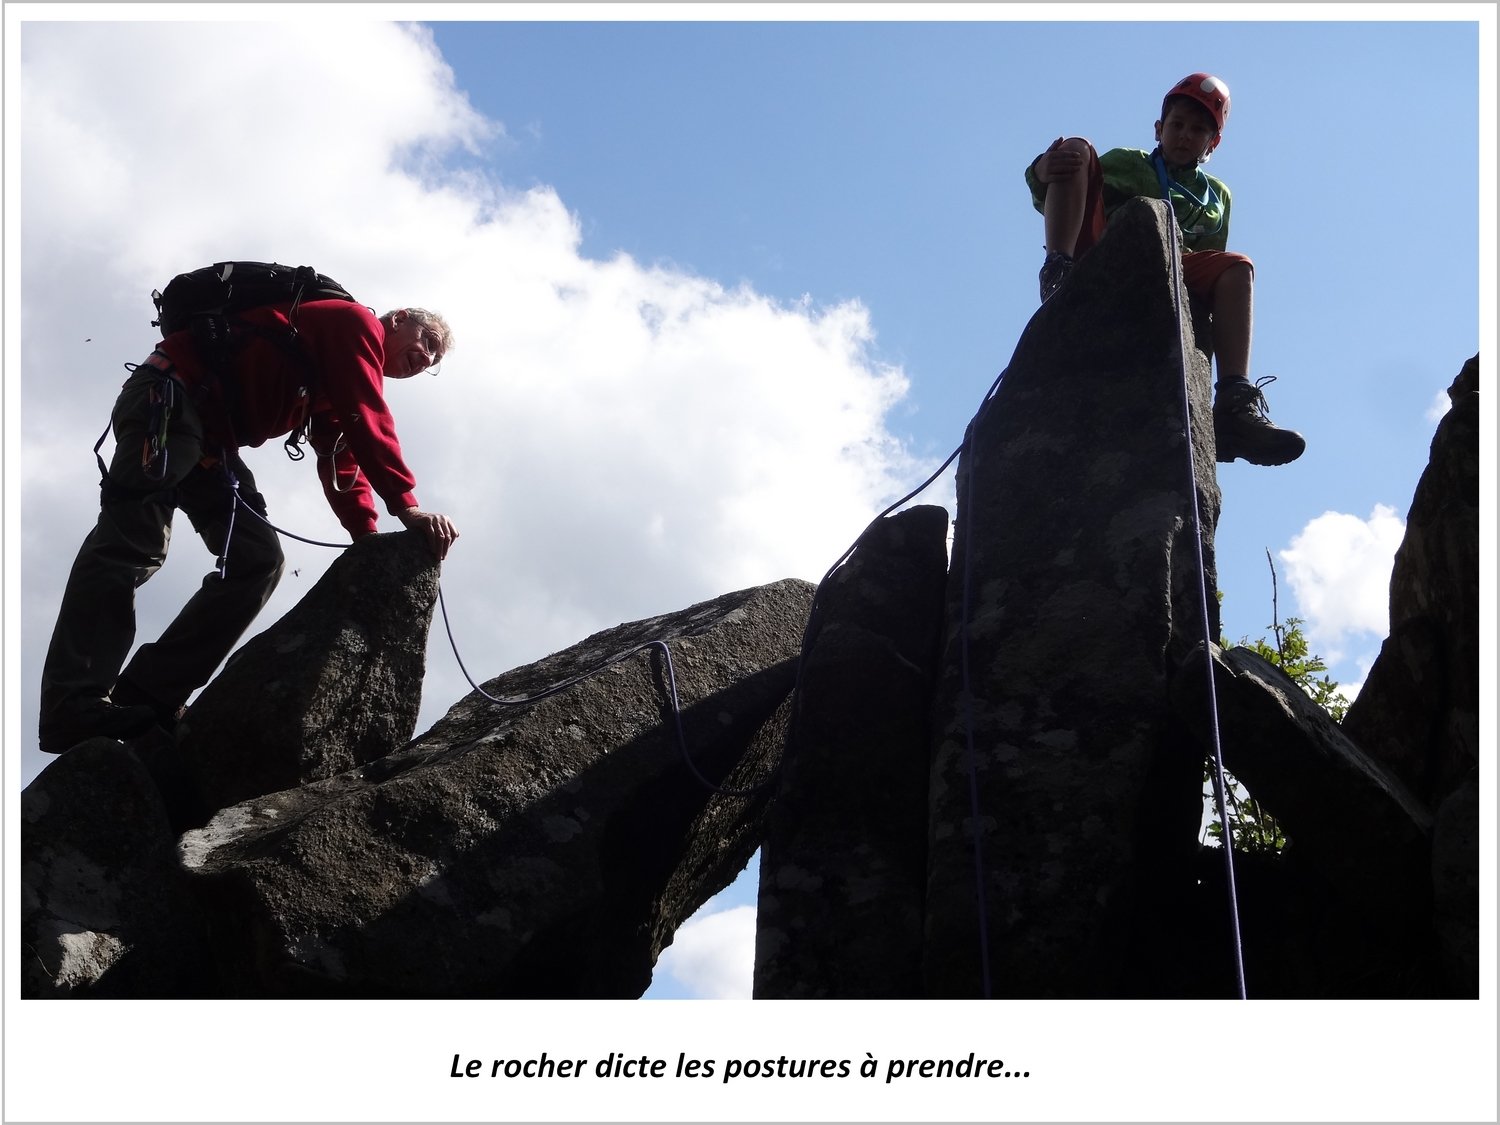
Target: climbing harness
[(154, 448), (163, 405)]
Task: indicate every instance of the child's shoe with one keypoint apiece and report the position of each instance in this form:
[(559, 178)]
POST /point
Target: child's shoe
[(1054, 271), (1243, 428)]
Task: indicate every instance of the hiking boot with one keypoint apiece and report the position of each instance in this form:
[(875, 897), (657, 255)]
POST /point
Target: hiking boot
[(1243, 428), (93, 718), (1054, 272), (127, 694)]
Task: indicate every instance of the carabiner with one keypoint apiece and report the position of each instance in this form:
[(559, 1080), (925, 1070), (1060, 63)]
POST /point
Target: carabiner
[(339, 445), (154, 448)]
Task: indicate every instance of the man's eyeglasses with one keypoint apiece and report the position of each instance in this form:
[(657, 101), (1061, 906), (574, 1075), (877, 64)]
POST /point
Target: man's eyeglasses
[(430, 345)]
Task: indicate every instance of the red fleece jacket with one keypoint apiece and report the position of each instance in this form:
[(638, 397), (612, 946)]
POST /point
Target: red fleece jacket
[(352, 430)]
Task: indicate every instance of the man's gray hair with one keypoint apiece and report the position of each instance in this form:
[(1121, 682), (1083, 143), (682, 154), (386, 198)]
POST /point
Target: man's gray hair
[(431, 321)]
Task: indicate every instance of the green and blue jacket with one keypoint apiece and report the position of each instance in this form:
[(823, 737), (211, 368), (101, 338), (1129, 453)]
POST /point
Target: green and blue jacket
[(1200, 201)]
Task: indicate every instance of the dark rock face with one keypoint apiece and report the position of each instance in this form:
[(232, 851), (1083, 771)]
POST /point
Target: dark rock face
[(1419, 709), (1344, 910), (1355, 824), (105, 909), (541, 848), (334, 684), (1378, 888), (520, 851), (991, 782), (1075, 587), (1455, 888), (841, 870), (1070, 722), (1418, 712)]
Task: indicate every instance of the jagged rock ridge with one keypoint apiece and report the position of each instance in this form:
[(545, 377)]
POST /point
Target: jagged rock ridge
[(296, 841), (1074, 615), (543, 849)]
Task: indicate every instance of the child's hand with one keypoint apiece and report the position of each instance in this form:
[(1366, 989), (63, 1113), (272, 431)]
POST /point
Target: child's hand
[(1057, 163)]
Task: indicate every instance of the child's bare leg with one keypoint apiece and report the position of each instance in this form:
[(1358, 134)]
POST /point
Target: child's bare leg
[(1242, 426), (1234, 320), (1067, 194)]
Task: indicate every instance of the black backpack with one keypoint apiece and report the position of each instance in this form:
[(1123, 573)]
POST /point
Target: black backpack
[(205, 301), (226, 288)]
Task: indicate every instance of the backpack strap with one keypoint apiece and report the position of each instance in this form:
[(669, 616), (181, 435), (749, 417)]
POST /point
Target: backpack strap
[(207, 303), (218, 337)]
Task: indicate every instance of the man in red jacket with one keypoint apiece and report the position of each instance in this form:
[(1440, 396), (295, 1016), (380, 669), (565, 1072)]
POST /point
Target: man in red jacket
[(178, 430)]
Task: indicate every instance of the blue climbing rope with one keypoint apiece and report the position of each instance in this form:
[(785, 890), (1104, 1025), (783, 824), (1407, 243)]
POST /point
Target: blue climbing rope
[(966, 687), (240, 503), (1208, 640), (809, 632), (670, 671)]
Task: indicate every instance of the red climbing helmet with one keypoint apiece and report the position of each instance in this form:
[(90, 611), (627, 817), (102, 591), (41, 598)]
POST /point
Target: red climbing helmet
[(1207, 91)]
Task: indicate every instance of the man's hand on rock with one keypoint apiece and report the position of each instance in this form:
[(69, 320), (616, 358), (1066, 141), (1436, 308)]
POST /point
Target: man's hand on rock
[(438, 529)]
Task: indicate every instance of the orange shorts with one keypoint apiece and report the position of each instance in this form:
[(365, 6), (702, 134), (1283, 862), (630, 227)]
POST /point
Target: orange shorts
[(1200, 268)]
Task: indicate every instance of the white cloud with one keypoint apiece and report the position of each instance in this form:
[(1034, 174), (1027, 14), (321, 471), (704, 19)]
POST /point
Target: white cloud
[(613, 440), (1339, 568), (1439, 406), (713, 954)]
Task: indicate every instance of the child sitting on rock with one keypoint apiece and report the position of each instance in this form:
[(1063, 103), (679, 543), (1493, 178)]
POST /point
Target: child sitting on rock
[(1076, 189)]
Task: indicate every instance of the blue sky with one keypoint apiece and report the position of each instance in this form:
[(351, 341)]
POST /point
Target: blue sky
[(829, 221), (882, 162)]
